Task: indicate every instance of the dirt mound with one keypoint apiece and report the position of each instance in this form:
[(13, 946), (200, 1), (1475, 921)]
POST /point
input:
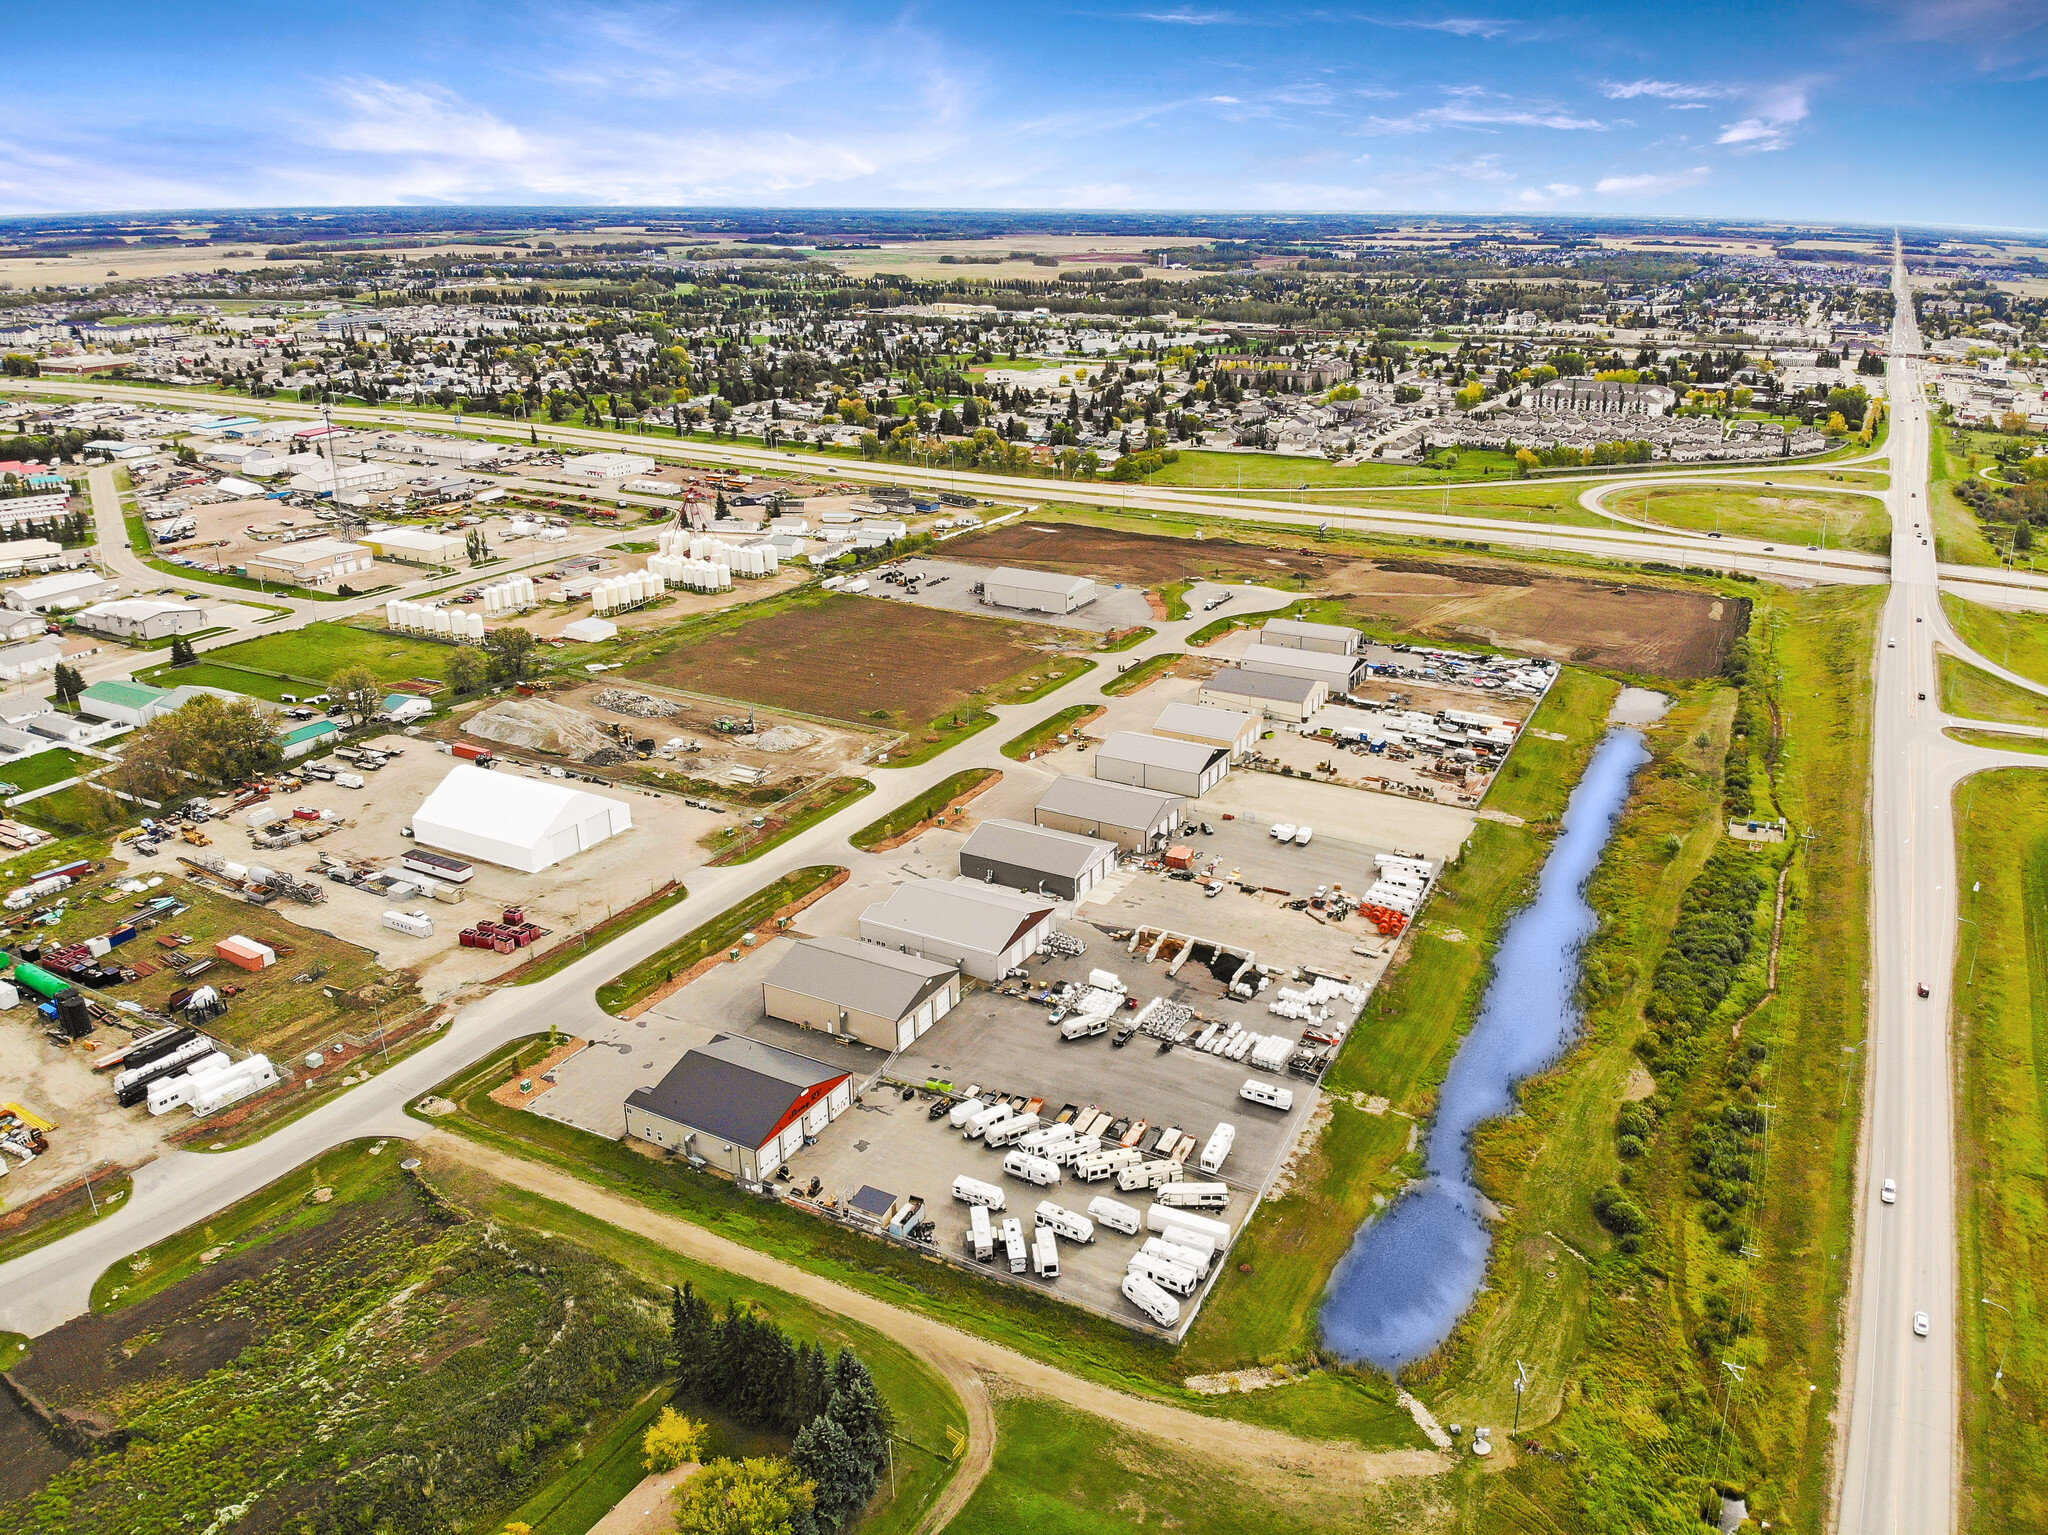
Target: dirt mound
[(535, 725), (783, 738), (644, 705)]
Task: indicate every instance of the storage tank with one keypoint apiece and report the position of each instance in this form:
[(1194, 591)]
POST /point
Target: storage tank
[(38, 980)]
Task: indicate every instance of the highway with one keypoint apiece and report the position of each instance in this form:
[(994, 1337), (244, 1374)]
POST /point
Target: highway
[(1897, 1468)]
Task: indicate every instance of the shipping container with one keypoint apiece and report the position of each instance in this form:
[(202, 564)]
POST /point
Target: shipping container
[(451, 870)]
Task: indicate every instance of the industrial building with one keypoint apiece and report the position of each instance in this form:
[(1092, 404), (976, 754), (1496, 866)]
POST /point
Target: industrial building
[(1235, 730), (1292, 699), (881, 997), (983, 929), (520, 823), (1293, 634), (1136, 820), (311, 562), (1154, 762), (739, 1105), (1333, 671), (414, 546), (607, 466), (124, 703), (1037, 591), (1037, 859), (59, 593), (308, 738), (141, 618)]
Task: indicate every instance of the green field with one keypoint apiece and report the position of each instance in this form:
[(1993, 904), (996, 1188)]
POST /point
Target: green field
[(2001, 1030), (1800, 517), (2017, 641), (320, 650), (48, 767), (1998, 740), (1958, 535), (1145, 671), (819, 802), (1208, 470), (1973, 693), (1061, 1472)]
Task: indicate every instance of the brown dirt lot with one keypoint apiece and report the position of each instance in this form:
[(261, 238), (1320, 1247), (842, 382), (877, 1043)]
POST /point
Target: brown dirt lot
[(845, 657), (1142, 558), (1658, 630)]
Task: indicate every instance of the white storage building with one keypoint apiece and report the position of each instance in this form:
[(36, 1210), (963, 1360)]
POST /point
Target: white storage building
[(60, 593), (983, 929), (1333, 671), (1276, 697), (1294, 634), (607, 466), (311, 562), (520, 823), (1037, 591), (882, 997), (415, 546), (142, 618), (1236, 731), (1154, 762), (1037, 859)]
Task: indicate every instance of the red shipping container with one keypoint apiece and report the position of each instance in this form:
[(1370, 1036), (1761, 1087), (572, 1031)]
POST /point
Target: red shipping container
[(471, 753), (1178, 857)]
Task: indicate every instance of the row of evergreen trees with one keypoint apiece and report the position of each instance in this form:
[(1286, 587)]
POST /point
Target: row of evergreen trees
[(743, 1364)]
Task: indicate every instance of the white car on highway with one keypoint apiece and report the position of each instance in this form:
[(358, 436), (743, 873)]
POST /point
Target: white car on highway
[(1889, 1193), (1919, 1324)]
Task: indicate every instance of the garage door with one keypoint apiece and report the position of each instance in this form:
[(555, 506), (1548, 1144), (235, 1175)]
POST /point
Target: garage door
[(906, 1032), (817, 1118), (596, 828), (792, 1140), (942, 1004), (842, 1095), (563, 844)]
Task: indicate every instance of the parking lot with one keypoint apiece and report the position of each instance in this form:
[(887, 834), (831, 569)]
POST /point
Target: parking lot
[(1114, 607)]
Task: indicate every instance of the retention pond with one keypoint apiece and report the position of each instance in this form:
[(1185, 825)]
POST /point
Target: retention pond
[(1411, 1274)]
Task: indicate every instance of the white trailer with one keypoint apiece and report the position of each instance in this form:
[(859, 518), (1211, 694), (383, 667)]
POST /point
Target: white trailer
[(1045, 1137), (963, 1111), (167, 1093), (1221, 1139), (1193, 1241), (1042, 1171), (1082, 1025), (1177, 1277), (1101, 1164), (1070, 1151), (1163, 1218), (1013, 1243), (1271, 1094), (1045, 1256), (974, 1192), (1061, 1221), (1009, 1131), (1194, 1196), (1150, 1299), (1147, 1175), (1116, 1215), (992, 1115), (981, 1236), (1172, 1252)]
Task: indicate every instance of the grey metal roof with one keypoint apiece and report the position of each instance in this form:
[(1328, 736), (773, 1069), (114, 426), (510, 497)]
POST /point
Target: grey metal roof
[(1111, 804), (964, 913), (861, 977), (1289, 662), (1038, 848), (1158, 751), (1235, 679), (1211, 724), (1299, 629), (1035, 580), (734, 1088)]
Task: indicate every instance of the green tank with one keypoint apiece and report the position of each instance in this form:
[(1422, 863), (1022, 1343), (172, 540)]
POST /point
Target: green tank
[(39, 980)]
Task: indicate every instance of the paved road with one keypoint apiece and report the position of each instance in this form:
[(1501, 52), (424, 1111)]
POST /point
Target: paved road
[(1898, 1464)]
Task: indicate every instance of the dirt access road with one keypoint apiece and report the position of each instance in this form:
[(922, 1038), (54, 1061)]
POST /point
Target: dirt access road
[(964, 1360)]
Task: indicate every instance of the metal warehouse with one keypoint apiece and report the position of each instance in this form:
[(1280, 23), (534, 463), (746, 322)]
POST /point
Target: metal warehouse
[(1038, 591), (1276, 697), (983, 930), (1293, 634), (1236, 731), (739, 1105), (1334, 672), (1036, 859), (1136, 820), (879, 996), (1154, 762)]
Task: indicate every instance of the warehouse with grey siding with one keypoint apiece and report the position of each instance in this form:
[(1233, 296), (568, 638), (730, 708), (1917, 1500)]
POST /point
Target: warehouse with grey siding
[(1038, 859), (1136, 820), (1154, 762), (881, 997), (1037, 591)]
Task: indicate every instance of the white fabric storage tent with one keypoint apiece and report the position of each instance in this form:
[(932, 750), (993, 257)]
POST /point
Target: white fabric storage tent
[(520, 823)]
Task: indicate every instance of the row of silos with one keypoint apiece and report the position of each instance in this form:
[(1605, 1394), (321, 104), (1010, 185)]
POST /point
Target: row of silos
[(627, 591), (751, 559), (691, 575), (513, 596), (441, 623)]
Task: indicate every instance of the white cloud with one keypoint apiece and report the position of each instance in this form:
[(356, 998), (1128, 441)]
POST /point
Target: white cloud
[(1456, 26), (1770, 126), (1547, 196), (1187, 18), (1650, 185), (1663, 90), (1471, 106), (1224, 101)]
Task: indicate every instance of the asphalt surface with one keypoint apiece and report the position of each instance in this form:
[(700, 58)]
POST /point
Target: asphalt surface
[(1897, 1467)]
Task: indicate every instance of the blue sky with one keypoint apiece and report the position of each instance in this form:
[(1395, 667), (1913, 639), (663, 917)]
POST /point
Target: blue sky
[(1917, 110)]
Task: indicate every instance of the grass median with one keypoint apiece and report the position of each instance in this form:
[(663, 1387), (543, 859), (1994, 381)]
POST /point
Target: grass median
[(1045, 734), (908, 817), (546, 963), (818, 802), (1973, 693), (721, 932), (2017, 641), (1148, 670)]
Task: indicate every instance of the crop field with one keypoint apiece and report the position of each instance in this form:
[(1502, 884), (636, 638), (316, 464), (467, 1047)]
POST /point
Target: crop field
[(1140, 558), (851, 658), (374, 1360), (1663, 631)]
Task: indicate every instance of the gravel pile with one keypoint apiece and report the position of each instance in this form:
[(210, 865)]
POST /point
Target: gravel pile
[(641, 705), (605, 756), (783, 738)]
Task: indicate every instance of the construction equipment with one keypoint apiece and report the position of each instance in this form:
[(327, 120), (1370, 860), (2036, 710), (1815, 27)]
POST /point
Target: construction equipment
[(195, 836)]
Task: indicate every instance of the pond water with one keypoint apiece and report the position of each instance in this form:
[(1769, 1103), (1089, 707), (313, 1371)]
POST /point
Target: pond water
[(1411, 1273)]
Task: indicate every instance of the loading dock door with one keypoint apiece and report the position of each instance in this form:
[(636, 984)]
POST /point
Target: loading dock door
[(841, 1096), (906, 1033)]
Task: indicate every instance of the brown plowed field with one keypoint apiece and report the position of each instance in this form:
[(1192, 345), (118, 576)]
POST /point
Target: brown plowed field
[(1142, 559), (1649, 629), (845, 657)]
